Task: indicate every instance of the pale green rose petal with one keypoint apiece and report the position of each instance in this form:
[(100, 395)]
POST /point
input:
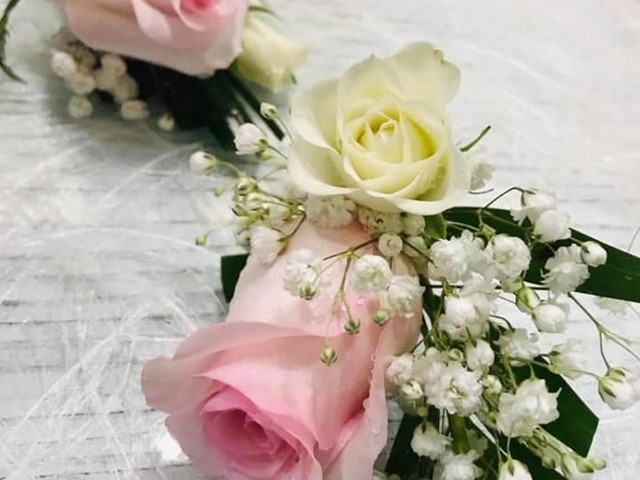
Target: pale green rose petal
[(313, 114), (406, 179), (418, 141), (317, 170), (362, 85), (425, 75), (364, 165)]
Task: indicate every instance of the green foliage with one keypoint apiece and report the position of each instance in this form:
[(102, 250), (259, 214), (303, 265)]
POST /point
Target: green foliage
[(4, 35)]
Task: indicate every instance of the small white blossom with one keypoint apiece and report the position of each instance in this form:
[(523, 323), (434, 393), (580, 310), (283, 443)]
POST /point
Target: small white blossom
[(532, 405), (249, 140), (478, 442), (400, 369), (403, 295), (566, 272), (114, 64), (134, 110), (331, 212), (492, 385), (461, 319), (266, 243), (82, 83), (413, 225), (552, 226), (80, 107), (479, 356), (166, 122), (511, 255), (533, 205), (201, 162), (370, 274), (527, 299), (575, 467), (125, 88), (514, 470), (619, 389), (449, 260), (428, 368), (380, 222), (518, 344), (277, 215), (63, 65), (458, 466), (428, 442), (390, 244), (301, 269), (593, 254), (105, 79), (550, 317), (454, 388), (568, 358)]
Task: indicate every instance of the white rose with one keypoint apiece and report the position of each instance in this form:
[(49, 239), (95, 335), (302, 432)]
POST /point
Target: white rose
[(268, 57), (380, 134)]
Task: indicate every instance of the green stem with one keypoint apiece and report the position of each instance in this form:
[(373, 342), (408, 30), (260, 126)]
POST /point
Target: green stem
[(475, 141), (4, 34), (458, 428)]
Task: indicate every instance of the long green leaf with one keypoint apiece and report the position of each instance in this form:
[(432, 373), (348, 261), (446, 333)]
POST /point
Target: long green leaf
[(618, 278)]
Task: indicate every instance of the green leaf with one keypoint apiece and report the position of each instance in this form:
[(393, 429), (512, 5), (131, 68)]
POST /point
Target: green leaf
[(619, 278), (4, 35), (402, 459), (230, 268), (436, 226)]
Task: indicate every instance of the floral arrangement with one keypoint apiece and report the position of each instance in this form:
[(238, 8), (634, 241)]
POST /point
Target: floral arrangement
[(367, 281), (199, 59)]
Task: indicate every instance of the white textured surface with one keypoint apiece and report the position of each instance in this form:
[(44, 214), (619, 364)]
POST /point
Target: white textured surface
[(97, 267)]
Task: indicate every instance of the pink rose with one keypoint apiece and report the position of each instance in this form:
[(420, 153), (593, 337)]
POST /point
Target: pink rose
[(195, 37), (249, 398)]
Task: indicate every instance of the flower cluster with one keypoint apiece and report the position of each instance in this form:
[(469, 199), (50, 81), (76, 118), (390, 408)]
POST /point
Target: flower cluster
[(86, 72)]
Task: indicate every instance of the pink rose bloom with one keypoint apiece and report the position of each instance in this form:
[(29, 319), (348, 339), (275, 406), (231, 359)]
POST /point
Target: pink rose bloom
[(250, 398), (195, 37)]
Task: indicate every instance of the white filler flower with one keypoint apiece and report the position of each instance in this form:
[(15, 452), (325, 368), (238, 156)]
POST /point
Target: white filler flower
[(249, 140), (332, 212), (565, 270), (266, 243), (532, 405), (370, 274), (428, 442), (552, 226)]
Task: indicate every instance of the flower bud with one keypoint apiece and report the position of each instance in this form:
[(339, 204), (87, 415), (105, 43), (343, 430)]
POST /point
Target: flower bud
[(380, 317), (166, 122), (390, 244), (411, 391), (480, 355), (201, 240), (249, 140), (552, 226), (352, 327), (307, 291), (492, 385), (268, 111), (549, 318), (514, 470), (456, 355), (201, 162), (593, 254), (329, 356), (616, 390), (549, 462), (598, 463), (527, 299)]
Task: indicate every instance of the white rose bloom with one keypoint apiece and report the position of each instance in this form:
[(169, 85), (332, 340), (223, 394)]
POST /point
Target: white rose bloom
[(331, 212), (593, 254), (461, 319), (518, 344), (428, 442), (370, 274), (532, 405), (403, 295), (479, 356), (619, 389), (266, 243), (568, 358), (301, 268), (511, 255), (552, 226), (390, 244), (458, 466), (514, 470), (566, 272), (449, 260), (413, 225), (533, 205), (249, 139), (380, 134), (268, 57), (400, 369), (550, 317)]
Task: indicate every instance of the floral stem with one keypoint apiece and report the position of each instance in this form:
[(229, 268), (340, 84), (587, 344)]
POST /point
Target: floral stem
[(459, 433), (475, 141), (601, 329), (352, 249)]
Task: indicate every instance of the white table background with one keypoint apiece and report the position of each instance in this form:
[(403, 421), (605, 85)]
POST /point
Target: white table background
[(98, 270)]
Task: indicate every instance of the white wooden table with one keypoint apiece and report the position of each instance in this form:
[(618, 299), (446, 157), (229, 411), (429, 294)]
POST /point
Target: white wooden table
[(98, 270)]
